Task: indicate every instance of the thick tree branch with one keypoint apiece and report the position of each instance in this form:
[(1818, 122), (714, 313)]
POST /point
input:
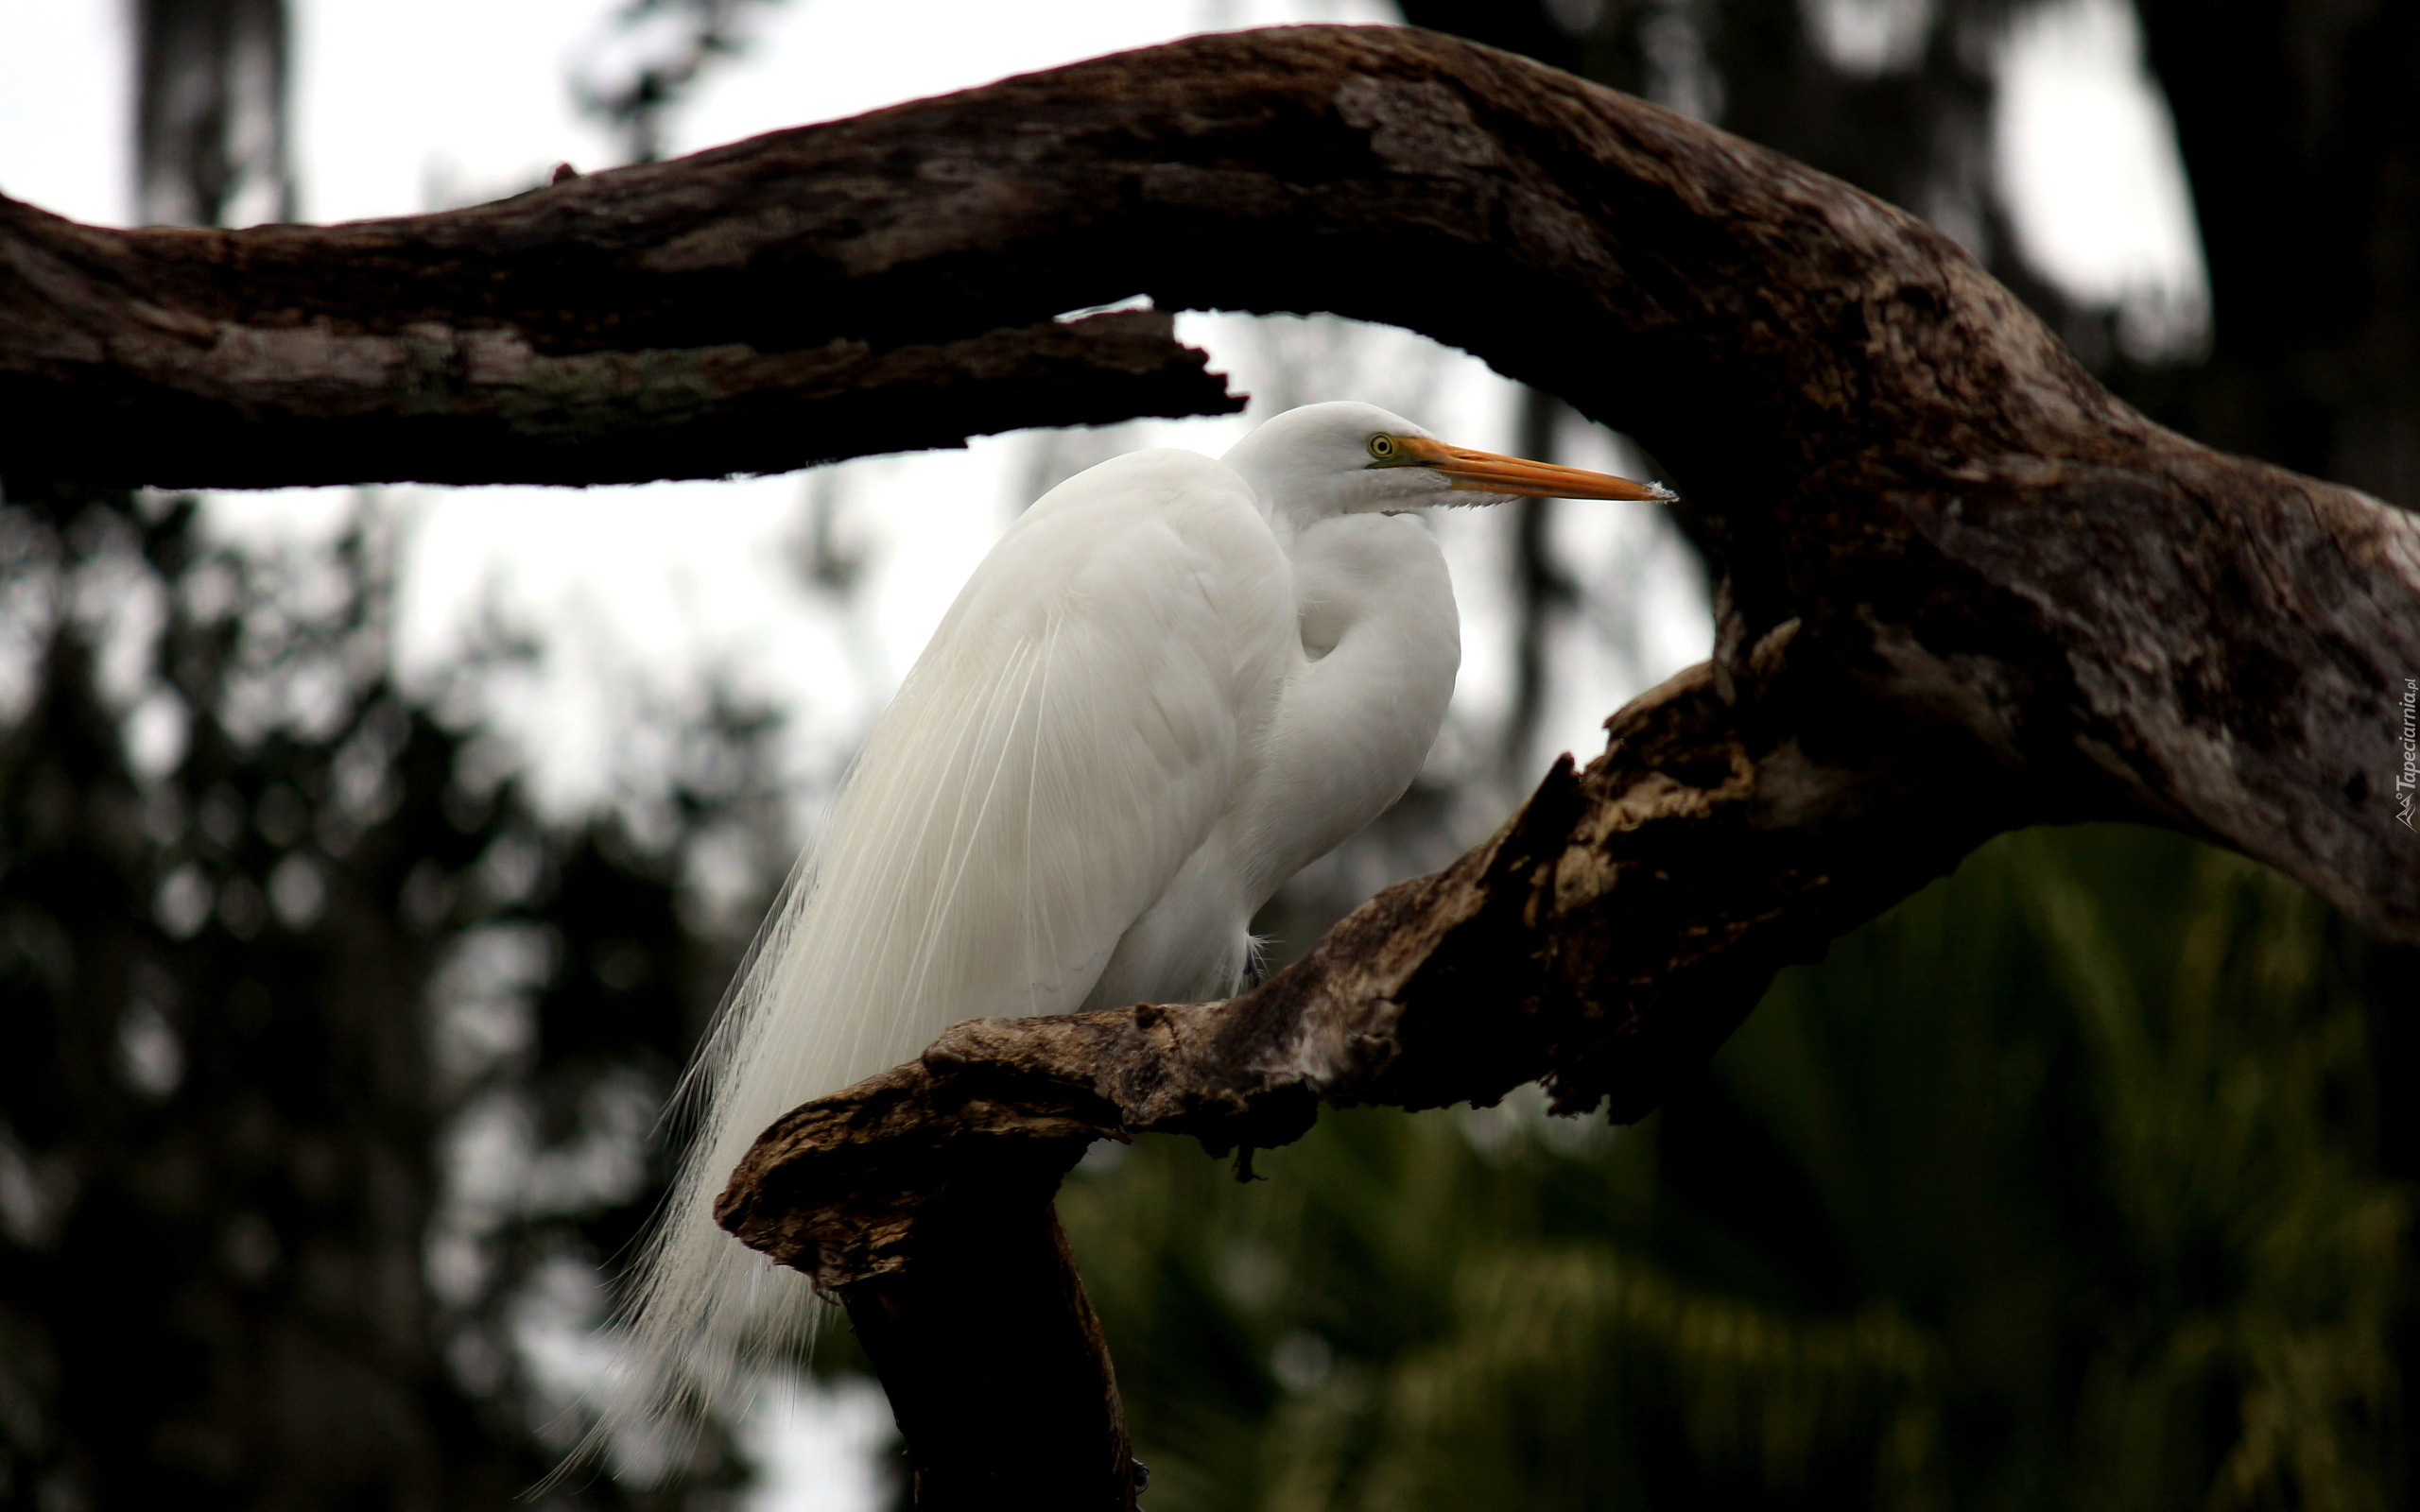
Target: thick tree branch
[(102, 388), (1604, 941), (1889, 448), (1963, 588)]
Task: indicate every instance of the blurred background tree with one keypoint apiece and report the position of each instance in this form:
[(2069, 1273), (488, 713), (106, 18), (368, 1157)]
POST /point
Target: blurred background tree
[(329, 1057), (273, 948)]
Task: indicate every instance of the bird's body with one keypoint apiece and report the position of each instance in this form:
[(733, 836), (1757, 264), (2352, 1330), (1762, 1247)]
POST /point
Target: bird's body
[(1171, 684), (1343, 640)]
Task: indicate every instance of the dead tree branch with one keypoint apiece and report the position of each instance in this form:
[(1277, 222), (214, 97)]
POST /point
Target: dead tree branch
[(1964, 588)]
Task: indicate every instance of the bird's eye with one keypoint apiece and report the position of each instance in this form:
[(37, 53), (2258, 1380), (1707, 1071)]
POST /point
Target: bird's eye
[(1383, 448)]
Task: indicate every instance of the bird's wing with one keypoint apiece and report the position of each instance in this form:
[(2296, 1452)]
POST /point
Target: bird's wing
[(1068, 738)]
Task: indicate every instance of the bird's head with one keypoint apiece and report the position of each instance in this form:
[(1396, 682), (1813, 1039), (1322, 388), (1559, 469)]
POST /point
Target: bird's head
[(1349, 458)]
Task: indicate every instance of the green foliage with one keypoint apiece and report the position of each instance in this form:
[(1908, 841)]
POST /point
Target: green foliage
[(2060, 1185)]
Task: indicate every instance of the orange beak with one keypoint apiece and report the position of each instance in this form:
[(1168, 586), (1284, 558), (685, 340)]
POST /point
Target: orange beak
[(1487, 472)]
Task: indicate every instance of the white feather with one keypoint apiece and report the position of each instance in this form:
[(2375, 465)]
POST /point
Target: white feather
[(1173, 683), (1066, 741)]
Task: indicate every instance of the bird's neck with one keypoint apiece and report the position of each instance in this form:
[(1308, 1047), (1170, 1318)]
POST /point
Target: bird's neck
[(1378, 646)]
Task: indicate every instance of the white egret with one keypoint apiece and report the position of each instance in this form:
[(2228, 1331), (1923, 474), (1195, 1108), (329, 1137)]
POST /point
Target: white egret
[(1174, 683)]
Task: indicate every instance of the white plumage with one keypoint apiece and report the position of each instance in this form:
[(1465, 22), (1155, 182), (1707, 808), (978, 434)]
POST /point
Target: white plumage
[(1173, 683)]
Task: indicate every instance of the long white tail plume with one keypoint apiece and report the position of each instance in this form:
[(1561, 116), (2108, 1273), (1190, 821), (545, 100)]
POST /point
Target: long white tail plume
[(877, 943), (1068, 738)]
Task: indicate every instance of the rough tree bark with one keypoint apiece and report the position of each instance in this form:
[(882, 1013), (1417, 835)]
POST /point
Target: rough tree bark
[(1963, 588)]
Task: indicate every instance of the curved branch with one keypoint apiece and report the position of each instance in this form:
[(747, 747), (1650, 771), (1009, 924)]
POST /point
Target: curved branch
[(1604, 941), (1885, 445)]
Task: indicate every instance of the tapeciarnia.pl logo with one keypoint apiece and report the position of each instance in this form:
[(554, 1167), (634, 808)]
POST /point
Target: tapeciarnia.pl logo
[(2410, 777)]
